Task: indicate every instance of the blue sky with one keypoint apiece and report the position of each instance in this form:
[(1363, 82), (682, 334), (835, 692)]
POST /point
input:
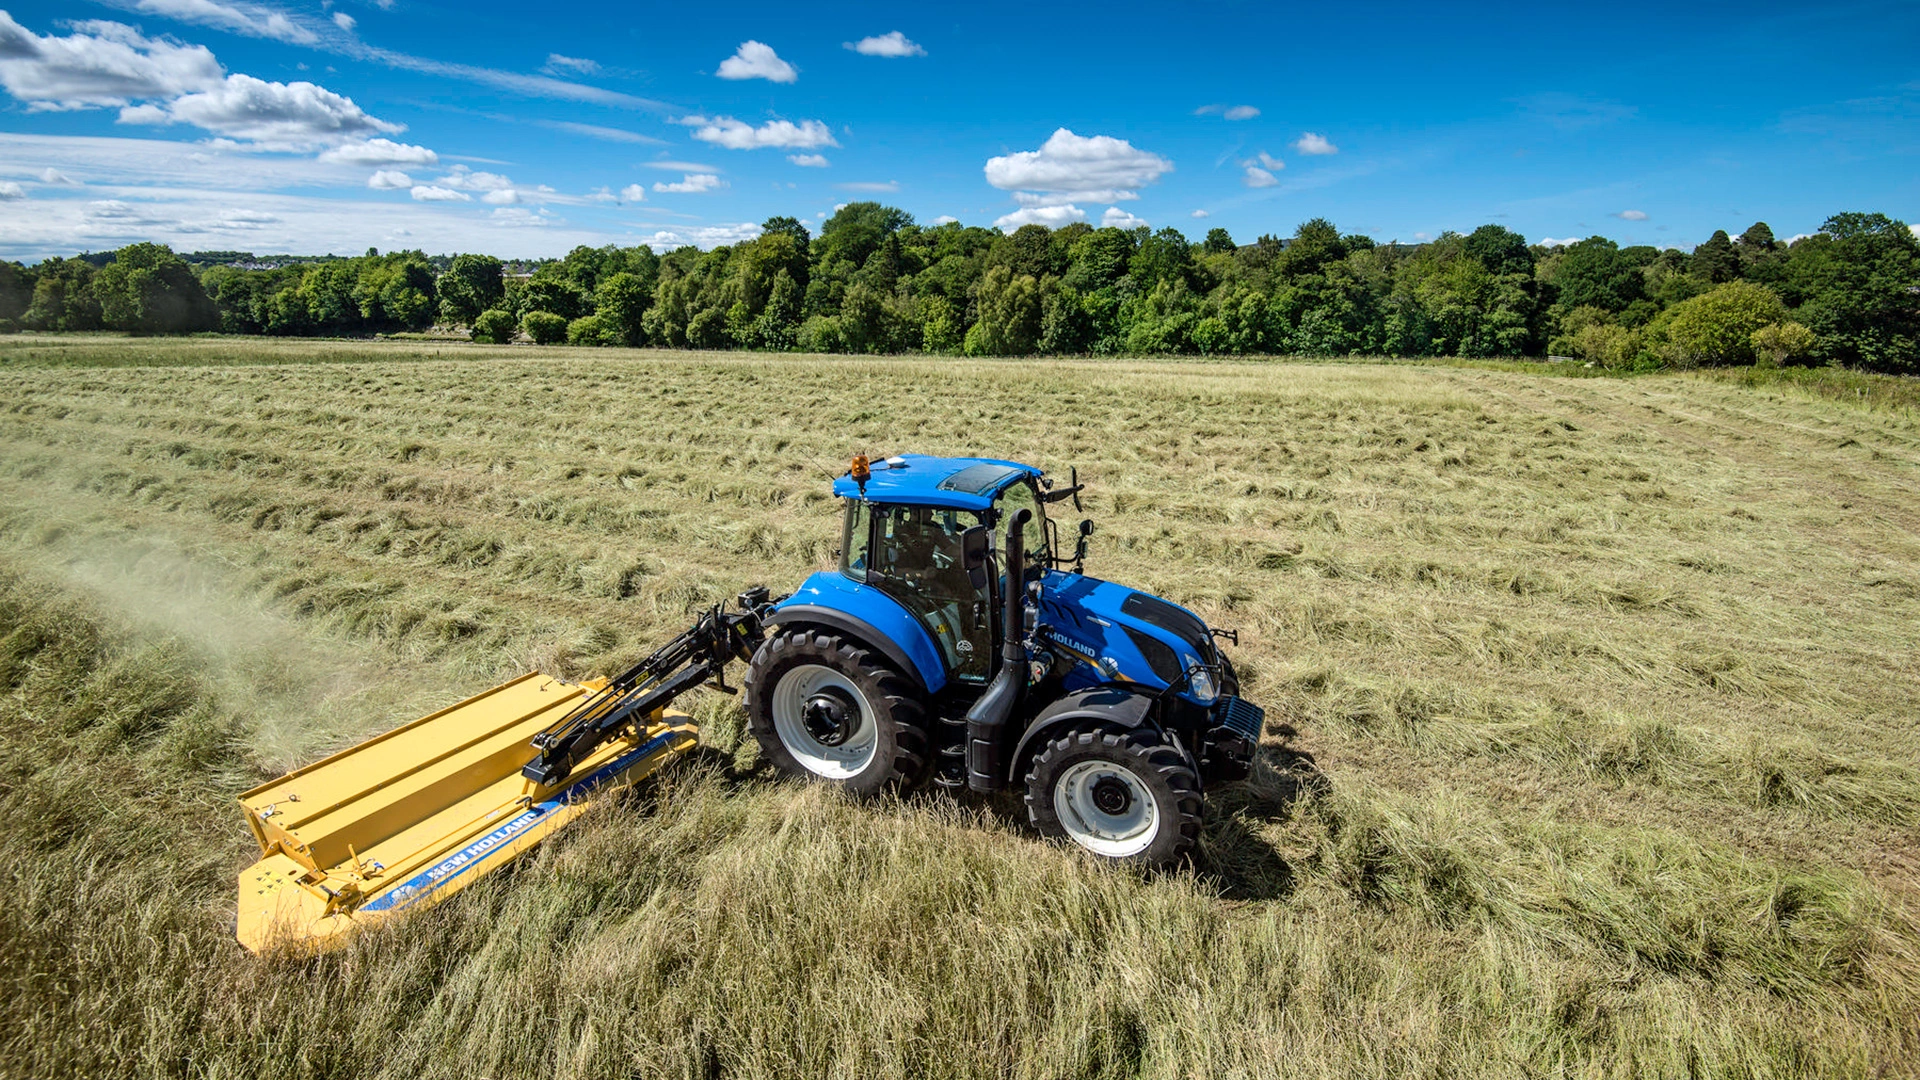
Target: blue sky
[(523, 130)]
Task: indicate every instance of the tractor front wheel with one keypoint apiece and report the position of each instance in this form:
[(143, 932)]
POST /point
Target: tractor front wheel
[(826, 708), (1126, 796)]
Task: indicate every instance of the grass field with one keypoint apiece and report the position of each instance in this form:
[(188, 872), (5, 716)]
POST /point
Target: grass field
[(1599, 756)]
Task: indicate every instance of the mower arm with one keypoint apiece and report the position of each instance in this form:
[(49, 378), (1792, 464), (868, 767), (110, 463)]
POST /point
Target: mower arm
[(701, 653)]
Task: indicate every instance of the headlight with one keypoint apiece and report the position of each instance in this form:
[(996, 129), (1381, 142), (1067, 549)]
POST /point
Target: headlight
[(1200, 685)]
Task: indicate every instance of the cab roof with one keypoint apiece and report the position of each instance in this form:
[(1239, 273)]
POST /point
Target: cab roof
[(953, 483)]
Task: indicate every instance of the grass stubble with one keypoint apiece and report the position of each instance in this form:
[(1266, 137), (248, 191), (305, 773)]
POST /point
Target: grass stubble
[(1601, 699)]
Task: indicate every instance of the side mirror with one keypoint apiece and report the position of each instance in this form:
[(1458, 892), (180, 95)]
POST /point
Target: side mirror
[(1086, 526), (974, 551), (1080, 548)]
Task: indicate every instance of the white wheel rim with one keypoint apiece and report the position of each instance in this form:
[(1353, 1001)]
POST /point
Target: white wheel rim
[(852, 756), (1104, 832)]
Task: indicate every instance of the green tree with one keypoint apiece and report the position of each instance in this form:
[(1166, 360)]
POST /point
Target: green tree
[(1596, 273), (1715, 261), (147, 289), (1716, 327), (471, 285), (786, 226), (621, 303), (1499, 249), (1009, 323), (16, 295), (1219, 242), (63, 297), (1856, 284)]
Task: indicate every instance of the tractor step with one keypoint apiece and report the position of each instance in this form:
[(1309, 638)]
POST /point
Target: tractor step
[(410, 817)]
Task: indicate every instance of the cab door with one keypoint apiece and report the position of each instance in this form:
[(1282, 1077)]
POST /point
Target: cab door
[(914, 555)]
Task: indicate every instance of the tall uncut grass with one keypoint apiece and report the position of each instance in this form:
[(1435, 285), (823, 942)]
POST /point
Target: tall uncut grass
[(1591, 746)]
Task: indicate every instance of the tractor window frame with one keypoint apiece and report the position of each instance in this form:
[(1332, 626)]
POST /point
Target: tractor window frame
[(856, 540), (1038, 539)]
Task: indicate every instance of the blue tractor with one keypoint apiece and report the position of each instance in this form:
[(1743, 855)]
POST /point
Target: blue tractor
[(933, 654)]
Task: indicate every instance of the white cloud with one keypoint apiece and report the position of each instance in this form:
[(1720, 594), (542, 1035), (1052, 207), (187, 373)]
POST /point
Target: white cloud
[(877, 186), (809, 161), (740, 135), (289, 116), (1199, 214), (55, 176), (1241, 112), (595, 131), (10, 190), (755, 60), (569, 65), (464, 179), (1116, 218), (197, 196), (1069, 167), (389, 180), (519, 217), (691, 184), (428, 193), (666, 165), (1052, 217), (945, 219), (344, 21), (703, 236), (1632, 215), (1314, 145), (633, 193), (105, 65), (239, 18), (893, 44), (500, 197), (532, 85), (1257, 177), (1545, 241), (1915, 230), (1266, 161), (380, 152)]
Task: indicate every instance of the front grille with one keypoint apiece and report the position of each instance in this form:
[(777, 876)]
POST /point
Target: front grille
[(1240, 716)]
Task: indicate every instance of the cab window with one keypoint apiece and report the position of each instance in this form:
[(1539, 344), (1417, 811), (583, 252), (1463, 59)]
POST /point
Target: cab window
[(1022, 496), (856, 539)]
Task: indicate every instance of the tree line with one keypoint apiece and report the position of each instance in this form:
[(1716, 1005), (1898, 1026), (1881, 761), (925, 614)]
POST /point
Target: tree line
[(874, 281)]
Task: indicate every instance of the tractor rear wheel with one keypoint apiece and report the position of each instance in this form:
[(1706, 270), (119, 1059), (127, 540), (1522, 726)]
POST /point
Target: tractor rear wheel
[(1125, 796), (826, 708)]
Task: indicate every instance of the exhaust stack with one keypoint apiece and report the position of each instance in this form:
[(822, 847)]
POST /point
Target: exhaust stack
[(989, 715)]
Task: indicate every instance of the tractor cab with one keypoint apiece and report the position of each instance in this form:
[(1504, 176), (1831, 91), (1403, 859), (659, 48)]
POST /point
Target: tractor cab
[(923, 537)]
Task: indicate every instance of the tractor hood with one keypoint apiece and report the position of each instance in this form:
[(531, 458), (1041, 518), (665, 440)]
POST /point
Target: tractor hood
[(1122, 633)]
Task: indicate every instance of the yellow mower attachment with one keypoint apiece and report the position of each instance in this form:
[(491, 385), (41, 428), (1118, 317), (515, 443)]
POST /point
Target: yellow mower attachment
[(410, 817)]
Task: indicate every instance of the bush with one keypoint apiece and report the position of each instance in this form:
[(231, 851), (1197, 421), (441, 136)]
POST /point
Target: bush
[(822, 334), (544, 327), (1716, 327), (1776, 343), (496, 325), (588, 330)]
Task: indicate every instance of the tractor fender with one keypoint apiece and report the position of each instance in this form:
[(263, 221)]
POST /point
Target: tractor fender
[(1110, 706), (878, 622)]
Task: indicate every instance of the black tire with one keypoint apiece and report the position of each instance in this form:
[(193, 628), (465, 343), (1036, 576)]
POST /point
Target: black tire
[(1071, 776), (889, 713)]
